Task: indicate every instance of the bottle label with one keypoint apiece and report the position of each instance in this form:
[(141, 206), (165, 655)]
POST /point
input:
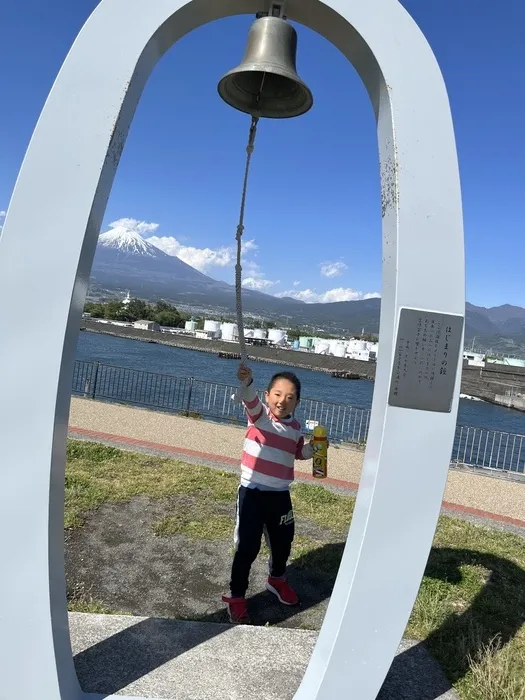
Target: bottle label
[(319, 466)]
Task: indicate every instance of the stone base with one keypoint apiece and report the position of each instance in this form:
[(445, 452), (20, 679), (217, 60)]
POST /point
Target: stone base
[(178, 660)]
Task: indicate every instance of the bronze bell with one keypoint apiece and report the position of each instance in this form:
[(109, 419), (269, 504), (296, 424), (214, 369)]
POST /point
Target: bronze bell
[(266, 83)]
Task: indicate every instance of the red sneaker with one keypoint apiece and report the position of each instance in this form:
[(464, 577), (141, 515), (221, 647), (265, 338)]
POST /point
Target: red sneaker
[(282, 589), (237, 610)]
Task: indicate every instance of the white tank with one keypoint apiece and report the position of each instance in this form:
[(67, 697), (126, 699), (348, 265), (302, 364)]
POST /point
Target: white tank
[(190, 326), (357, 344), (229, 331), (338, 350), (248, 332), (259, 333), (212, 326), (276, 336), (322, 348)]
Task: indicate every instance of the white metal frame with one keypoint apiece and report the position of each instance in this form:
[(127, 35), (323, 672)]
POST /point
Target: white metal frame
[(48, 243)]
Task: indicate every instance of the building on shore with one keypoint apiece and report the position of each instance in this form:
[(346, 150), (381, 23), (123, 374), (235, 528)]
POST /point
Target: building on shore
[(507, 361), (145, 325), (474, 359)]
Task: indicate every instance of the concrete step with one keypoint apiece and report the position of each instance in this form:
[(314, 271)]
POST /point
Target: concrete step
[(179, 660)]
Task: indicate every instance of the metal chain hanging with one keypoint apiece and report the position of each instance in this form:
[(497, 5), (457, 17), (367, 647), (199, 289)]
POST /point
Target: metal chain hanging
[(240, 231)]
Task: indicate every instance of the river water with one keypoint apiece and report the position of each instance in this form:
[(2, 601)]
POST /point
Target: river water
[(164, 359)]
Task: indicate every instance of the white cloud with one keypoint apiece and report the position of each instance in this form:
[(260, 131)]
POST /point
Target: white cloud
[(199, 258), (202, 259), (258, 283), (140, 227), (247, 246), (333, 269), (2, 214), (297, 283), (254, 278), (310, 296)]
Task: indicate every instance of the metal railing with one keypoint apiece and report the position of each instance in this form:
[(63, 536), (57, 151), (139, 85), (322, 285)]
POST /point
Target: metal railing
[(489, 449), (473, 447)]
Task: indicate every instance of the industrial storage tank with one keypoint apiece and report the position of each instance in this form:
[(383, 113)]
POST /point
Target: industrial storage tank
[(213, 326), (229, 331), (277, 336), (259, 333), (305, 342), (322, 348), (190, 326), (357, 344), (338, 350), (249, 333)]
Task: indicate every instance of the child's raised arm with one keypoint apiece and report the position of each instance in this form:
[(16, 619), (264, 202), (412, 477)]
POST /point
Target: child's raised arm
[(251, 401)]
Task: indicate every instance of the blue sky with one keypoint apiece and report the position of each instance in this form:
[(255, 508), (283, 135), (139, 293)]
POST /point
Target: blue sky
[(313, 211)]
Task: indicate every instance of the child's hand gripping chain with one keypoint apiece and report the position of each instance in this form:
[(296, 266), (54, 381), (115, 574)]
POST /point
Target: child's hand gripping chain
[(244, 375)]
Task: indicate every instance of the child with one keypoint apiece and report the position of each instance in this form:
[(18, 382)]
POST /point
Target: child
[(273, 441)]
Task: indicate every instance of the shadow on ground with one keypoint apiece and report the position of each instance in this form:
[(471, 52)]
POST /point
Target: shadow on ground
[(133, 653)]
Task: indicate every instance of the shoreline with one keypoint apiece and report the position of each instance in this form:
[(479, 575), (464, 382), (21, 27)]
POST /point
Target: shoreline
[(484, 385), (321, 363)]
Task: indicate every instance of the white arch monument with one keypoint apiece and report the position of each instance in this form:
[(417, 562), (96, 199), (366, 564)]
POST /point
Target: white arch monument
[(49, 240)]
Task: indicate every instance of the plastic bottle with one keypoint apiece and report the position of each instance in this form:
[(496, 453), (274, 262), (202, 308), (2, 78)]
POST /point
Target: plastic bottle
[(320, 459)]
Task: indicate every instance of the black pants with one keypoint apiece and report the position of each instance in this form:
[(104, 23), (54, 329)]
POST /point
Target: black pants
[(258, 512)]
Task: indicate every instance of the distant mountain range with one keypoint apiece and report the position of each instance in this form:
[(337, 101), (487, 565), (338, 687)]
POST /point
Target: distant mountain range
[(126, 261)]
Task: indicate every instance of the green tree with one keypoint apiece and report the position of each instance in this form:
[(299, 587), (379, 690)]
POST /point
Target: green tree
[(96, 310), (168, 317), (112, 309), (137, 309)]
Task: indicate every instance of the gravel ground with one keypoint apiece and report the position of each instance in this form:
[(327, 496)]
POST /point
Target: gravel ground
[(182, 578)]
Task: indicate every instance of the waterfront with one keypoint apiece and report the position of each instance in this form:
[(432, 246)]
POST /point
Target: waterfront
[(316, 385)]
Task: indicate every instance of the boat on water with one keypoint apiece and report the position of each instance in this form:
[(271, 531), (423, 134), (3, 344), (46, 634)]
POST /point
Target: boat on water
[(471, 398)]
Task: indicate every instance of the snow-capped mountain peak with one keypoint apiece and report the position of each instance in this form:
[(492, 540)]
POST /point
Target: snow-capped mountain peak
[(129, 243)]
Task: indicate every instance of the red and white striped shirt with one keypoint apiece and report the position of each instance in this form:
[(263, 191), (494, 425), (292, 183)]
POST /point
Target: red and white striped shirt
[(271, 446)]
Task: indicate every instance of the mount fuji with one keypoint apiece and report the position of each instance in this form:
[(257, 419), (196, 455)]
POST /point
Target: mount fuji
[(129, 243), (125, 260)]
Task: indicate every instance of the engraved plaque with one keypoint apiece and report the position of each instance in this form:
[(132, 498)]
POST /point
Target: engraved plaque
[(425, 361)]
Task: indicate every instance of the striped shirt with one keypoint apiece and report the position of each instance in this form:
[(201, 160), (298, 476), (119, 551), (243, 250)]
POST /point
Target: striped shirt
[(271, 446)]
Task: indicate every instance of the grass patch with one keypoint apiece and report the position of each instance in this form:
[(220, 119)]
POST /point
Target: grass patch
[(470, 610), (323, 507), (89, 606), (208, 526), (497, 672), (79, 600), (98, 474)]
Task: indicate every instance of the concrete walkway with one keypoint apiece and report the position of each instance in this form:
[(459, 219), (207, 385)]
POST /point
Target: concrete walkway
[(484, 496), (159, 658)]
